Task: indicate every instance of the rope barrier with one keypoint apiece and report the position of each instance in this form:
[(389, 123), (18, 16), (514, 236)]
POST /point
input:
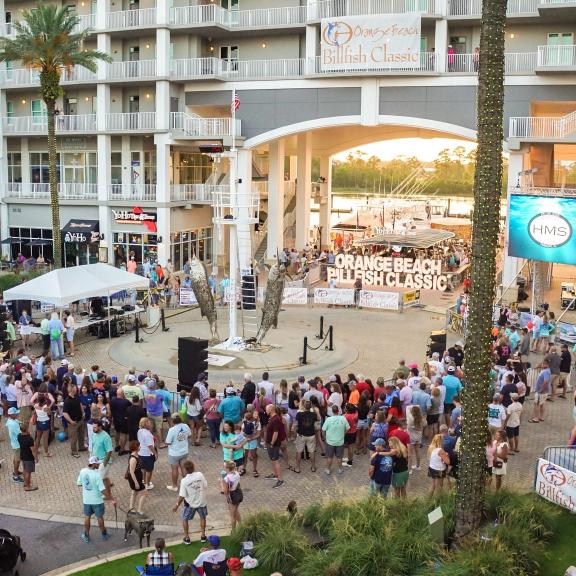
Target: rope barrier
[(321, 343)]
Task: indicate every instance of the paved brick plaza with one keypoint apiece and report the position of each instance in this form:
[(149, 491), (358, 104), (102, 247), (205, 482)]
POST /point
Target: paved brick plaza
[(380, 339)]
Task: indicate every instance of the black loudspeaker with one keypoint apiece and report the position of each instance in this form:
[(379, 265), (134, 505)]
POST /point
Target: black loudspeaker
[(192, 360), (248, 293), (436, 347), (438, 336)]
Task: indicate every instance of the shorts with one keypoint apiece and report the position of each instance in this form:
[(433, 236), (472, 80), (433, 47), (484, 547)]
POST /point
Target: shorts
[(540, 399), (448, 408), (415, 436), (16, 453), (104, 470), (29, 466), (70, 334), (432, 473), (432, 419), (239, 462), (375, 488), (564, 377), (148, 462), (43, 426), (175, 460), (303, 442), (96, 509), (251, 445), (363, 424), (334, 451), (512, 432), (274, 453), (350, 439), (196, 418), (188, 512), (121, 427), (156, 422), (400, 479)]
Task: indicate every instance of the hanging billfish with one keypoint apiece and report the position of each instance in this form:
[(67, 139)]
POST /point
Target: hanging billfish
[(273, 300), (203, 294)]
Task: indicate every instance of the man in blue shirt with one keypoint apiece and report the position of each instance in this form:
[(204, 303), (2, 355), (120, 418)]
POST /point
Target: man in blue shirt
[(541, 392), (102, 449), (421, 398), (231, 407), (13, 426), (453, 387), (390, 393), (92, 497)]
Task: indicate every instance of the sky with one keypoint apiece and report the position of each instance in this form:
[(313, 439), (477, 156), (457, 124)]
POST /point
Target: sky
[(425, 149)]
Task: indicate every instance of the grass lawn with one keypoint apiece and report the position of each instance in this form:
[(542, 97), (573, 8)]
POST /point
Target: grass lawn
[(126, 566), (561, 547)]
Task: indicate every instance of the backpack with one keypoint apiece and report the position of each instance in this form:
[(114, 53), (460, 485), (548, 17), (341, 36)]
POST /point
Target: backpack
[(248, 427), (55, 334)]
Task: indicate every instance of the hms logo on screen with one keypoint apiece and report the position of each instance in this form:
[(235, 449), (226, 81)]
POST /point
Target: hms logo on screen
[(550, 230)]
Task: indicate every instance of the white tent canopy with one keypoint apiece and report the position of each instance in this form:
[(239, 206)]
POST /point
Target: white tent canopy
[(66, 285)]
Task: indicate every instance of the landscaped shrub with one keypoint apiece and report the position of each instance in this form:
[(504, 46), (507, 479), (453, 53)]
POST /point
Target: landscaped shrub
[(484, 558)]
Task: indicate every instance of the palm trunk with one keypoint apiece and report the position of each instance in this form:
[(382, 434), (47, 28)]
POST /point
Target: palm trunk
[(53, 180), (485, 228)]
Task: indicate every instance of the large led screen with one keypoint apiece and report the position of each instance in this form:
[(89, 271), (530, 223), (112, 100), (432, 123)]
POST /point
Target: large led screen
[(542, 228)]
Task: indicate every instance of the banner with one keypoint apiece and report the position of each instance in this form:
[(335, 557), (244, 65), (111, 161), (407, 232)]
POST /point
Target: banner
[(187, 297), (541, 228), (380, 300), (411, 298), (375, 42), (335, 296), (291, 295), (556, 484)]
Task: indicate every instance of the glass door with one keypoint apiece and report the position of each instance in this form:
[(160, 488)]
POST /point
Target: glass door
[(229, 56), (560, 49), (38, 109)]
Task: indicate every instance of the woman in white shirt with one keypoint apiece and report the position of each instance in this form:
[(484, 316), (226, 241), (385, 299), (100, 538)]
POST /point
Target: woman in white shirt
[(70, 329), (195, 414), (42, 409), (335, 399), (147, 451), (438, 465), (233, 492)]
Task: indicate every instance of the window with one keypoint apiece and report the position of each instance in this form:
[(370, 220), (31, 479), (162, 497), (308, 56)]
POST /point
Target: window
[(140, 246), (9, 70), (184, 245), (14, 167), (39, 168), (149, 167), (230, 54), (195, 168), (38, 109), (116, 168), (79, 167), (10, 112)]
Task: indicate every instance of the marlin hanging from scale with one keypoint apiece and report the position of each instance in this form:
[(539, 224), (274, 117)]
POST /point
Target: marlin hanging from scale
[(204, 296)]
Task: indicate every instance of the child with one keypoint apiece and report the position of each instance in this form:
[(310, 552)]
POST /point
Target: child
[(251, 429), (380, 470), (28, 456), (239, 441)]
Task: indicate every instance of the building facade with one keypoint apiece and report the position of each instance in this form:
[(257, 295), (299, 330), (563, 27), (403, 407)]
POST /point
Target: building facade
[(135, 138)]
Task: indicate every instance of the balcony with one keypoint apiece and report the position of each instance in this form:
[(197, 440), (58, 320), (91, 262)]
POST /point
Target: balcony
[(23, 125), (196, 193), (130, 121), (123, 19), (473, 8), (247, 69), (564, 9), (66, 191), (7, 30), (543, 128), (132, 192), (195, 68), (334, 8), (556, 59), (515, 63), (192, 126), (24, 77), (213, 15), (132, 70)]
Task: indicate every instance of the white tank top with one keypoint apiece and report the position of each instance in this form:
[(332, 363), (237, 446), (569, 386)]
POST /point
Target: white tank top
[(436, 463)]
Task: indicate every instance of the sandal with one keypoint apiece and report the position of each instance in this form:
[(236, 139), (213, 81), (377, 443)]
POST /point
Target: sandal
[(534, 421), (256, 475), (313, 469), (295, 471)]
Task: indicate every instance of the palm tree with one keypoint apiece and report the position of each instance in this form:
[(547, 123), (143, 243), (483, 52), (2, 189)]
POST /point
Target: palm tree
[(46, 40), (485, 229)]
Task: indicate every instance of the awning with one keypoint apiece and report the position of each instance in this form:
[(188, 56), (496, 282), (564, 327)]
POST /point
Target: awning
[(39, 242), (424, 238), (11, 240), (82, 231)]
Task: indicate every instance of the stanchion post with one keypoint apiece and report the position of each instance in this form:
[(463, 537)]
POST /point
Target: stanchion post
[(305, 351), (331, 338), (137, 330), (163, 320), (321, 335)]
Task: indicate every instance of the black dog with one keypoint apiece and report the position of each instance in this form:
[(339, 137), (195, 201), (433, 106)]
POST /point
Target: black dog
[(139, 523)]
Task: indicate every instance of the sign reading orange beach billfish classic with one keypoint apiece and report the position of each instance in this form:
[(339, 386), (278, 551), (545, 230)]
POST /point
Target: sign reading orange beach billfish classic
[(374, 42)]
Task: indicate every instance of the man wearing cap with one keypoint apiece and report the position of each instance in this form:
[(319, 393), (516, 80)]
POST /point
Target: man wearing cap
[(212, 555), (131, 389), (453, 388), (155, 410), (231, 406), (435, 363), (457, 353), (13, 427), (92, 497), (61, 371), (380, 470), (177, 441), (102, 449)]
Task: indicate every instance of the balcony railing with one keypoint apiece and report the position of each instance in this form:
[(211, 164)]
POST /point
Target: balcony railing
[(515, 63), (233, 19), (281, 68), (26, 77), (130, 192), (130, 121), (132, 18), (39, 124), (66, 191), (557, 57), (474, 7), (334, 8), (195, 126), (195, 68), (203, 193), (543, 126), (127, 70), (86, 21), (7, 30)]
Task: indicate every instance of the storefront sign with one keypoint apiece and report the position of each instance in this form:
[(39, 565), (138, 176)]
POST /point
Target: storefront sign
[(335, 296), (81, 231), (136, 216), (375, 42), (380, 300), (384, 271), (187, 297), (556, 484), (411, 298)]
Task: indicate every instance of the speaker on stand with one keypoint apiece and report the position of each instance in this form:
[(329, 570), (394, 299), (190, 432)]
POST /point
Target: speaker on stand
[(436, 342), (192, 361)]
